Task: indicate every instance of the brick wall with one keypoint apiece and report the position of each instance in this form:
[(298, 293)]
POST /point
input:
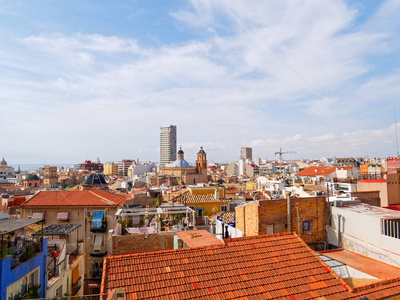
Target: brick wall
[(251, 219), (239, 215), (369, 197), (254, 218), (138, 243)]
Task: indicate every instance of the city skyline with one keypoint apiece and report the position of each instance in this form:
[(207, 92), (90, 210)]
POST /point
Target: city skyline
[(98, 79)]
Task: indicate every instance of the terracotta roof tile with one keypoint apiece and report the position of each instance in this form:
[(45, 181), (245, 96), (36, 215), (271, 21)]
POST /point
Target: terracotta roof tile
[(279, 266), (189, 198), (321, 170), (93, 197)]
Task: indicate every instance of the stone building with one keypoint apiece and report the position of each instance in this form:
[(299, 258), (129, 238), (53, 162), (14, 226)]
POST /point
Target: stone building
[(94, 210), (50, 176), (185, 173)]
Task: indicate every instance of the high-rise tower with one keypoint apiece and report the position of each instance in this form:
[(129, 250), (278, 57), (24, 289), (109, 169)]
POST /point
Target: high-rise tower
[(246, 153), (167, 144)]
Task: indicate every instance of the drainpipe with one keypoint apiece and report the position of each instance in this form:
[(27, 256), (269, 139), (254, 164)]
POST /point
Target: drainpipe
[(339, 234), (298, 219), (289, 221)]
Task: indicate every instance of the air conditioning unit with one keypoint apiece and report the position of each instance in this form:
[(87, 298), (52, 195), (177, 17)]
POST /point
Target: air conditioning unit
[(89, 213), (338, 203)]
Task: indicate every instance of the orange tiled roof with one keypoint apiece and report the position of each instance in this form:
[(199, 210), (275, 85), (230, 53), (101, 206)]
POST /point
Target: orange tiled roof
[(321, 170), (278, 266), (14, 187), (93, 197)]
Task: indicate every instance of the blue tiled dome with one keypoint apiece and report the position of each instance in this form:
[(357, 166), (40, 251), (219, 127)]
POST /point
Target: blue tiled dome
[(177, 163), (201, 150), (94, 178)]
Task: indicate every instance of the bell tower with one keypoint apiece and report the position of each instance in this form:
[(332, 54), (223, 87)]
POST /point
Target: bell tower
[(201, 162)]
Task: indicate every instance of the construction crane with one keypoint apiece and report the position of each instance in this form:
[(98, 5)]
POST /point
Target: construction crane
[(280, 154)]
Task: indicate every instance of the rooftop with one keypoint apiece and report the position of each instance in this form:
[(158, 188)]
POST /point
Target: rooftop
[(321, 170), (198, 238), (364, 264), (278, 266), (94, 197), (8, 226), (375, 211), (189, 198)]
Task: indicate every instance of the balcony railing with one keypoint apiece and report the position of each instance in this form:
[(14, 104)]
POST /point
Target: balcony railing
[(58, 270), (98, 251), (22, 251), (76, 287), (96, 228)]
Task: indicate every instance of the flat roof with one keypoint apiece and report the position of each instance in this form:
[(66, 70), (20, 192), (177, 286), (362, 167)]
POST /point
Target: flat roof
[(199, 238), (363, 263), (8, 226), (375, 211)]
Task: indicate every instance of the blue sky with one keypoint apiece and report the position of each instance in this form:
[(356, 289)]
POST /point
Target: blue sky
[(87, 79)]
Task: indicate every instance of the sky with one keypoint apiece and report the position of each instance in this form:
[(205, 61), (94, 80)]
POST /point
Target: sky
[(87, 79)]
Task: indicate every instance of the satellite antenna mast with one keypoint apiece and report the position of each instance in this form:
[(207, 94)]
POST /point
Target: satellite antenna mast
[(395, 127)]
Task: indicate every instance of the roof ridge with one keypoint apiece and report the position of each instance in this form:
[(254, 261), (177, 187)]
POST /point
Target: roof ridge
[(103, 198), (23, 204), (375, 284)]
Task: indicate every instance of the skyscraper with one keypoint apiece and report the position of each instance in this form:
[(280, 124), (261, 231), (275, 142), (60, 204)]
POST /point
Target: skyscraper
[(167, 144), (246, 153)]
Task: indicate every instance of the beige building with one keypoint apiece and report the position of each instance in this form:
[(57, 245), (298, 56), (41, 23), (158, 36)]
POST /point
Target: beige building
[(389, 188), (93, 209), (186, 174), (111, 169), (50, 176)]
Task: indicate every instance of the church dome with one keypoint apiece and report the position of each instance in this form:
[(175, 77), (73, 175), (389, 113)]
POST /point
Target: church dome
[(94, 178), (3, 162), (201, 150), (180, 163), (180, 151), (31, 177)]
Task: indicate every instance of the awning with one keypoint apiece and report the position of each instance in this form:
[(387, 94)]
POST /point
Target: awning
[(98, 239), (38, 215), (63, 216), (75, 275)]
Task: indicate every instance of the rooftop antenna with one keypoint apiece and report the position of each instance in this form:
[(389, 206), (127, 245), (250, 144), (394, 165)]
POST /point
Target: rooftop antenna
[(395, 127)]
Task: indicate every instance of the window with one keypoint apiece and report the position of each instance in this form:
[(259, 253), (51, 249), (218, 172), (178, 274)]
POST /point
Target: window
[(200, 211), (59, 291), (270, 229), (306, 226), (391, 227), (224, 208)]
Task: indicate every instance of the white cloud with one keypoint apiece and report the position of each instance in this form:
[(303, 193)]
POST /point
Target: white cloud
[(268, 74)]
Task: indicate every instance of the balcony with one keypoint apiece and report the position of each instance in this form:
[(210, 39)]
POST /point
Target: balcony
[(97, 228), (76, 287), (23, 250), (96, 271), (54, 272), (98, 222), (98, 250)]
